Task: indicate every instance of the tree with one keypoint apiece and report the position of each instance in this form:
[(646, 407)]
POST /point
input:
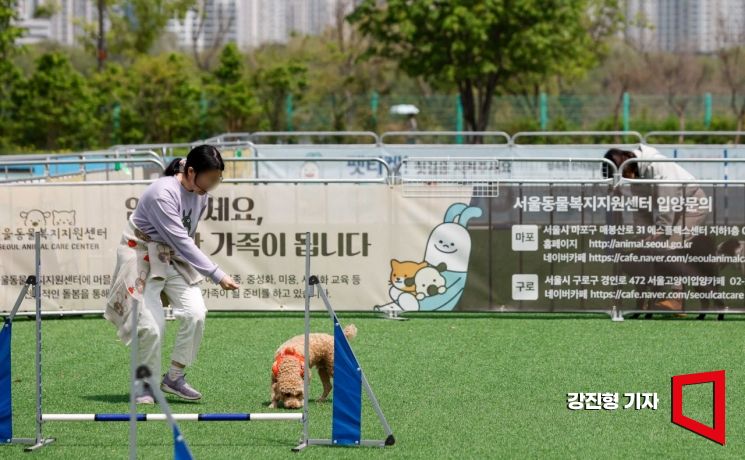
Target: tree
[(116, 100), (9, 75), (733, 74), (8, 31), (55, 108), (680, 77), (480, 45), (336, 60), (167, 94), (204, 10), (233, 105), (620, 74), (339, 82), (275, 79), (731, 56), (134, 25)]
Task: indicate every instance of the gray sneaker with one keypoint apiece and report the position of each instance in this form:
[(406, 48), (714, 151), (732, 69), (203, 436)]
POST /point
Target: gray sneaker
[(180, 388), (146, 396)]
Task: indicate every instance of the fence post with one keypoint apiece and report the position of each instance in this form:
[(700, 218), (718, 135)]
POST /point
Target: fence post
[(626, 107), (707, 110), (116, 113), (374, 101), (203, 104), (458, 119), (288, 111), (543, 101)]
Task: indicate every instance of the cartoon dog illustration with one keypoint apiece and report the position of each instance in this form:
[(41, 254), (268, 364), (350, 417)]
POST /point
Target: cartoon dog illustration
[(35, 218), (428, 282)]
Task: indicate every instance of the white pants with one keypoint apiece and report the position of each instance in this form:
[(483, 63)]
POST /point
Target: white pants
[(189, 309)]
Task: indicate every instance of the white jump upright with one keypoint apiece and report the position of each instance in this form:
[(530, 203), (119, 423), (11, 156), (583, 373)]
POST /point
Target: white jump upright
[(6, 399)]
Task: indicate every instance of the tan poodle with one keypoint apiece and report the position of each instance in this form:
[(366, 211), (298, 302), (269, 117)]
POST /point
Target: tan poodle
[(289, 363)]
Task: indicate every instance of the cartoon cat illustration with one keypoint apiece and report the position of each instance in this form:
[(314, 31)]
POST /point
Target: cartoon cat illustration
[(186, 220), (63, 218), (402, 274), (402, 278)]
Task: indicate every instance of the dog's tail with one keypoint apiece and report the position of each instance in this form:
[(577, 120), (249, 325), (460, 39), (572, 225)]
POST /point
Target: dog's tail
[(350, 331)]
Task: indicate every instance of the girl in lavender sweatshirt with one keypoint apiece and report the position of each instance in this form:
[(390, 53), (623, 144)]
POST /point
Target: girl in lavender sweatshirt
[(164, 223)]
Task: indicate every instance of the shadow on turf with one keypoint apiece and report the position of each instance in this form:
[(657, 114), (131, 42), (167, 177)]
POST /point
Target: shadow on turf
[(124, 399)]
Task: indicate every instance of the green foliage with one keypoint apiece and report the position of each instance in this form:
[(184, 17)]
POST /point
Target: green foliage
[(480, 46), (54, 109), (234, 108), (166, 98), (274, 81), (8, 32)]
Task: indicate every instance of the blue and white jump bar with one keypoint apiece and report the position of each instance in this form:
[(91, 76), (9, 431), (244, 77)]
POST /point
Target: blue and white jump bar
[(238, 417)]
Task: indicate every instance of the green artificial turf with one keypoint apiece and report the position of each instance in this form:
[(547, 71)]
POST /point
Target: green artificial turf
[(451, 386)]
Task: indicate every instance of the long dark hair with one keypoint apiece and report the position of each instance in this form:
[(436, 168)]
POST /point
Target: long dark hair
[(202, 158), (617, 157)]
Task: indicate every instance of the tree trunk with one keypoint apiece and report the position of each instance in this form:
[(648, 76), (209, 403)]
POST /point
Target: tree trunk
[(682, 125), (101, 51), (476, 108)]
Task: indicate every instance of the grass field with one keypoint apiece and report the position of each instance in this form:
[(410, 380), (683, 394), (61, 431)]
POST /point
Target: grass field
[(451, 386)]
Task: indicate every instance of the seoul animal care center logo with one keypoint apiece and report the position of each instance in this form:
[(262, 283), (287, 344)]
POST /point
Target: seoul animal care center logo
[(642, 401)]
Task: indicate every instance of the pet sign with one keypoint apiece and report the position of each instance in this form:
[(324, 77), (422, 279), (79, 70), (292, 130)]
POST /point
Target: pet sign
[(514, 247), (255, 233)]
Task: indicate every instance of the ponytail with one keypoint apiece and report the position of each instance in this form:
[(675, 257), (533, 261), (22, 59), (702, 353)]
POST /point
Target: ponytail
[(173, 168)]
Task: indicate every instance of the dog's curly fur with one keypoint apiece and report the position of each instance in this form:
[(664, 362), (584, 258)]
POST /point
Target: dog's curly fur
[(287, 386)]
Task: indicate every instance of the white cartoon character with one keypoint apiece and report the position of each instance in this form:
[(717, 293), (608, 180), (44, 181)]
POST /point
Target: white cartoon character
[(449, 243), (310, 170), (35, 218), (428, 282), (449, 249)]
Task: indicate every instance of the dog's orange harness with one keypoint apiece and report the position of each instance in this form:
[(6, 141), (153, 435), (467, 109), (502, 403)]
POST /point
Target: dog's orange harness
[(288, 353)]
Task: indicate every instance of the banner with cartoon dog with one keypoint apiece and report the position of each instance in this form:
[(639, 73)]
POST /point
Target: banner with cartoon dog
[(256, 234), (527, 248)]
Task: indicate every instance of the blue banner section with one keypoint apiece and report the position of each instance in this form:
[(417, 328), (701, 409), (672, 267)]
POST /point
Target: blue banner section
[(347, 411), (6, 397), (180, 449)]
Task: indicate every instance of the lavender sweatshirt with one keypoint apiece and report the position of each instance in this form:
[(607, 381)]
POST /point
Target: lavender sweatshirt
[(169, 213)]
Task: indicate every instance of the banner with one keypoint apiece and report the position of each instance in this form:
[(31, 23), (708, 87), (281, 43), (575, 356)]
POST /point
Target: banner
[(255, 233), (521, 247)]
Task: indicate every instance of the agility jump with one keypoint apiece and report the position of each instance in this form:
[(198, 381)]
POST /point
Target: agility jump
[(347, 396)]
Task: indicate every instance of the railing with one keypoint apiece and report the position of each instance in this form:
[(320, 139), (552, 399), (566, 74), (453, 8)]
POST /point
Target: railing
[(386, 178), (48, 163)]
